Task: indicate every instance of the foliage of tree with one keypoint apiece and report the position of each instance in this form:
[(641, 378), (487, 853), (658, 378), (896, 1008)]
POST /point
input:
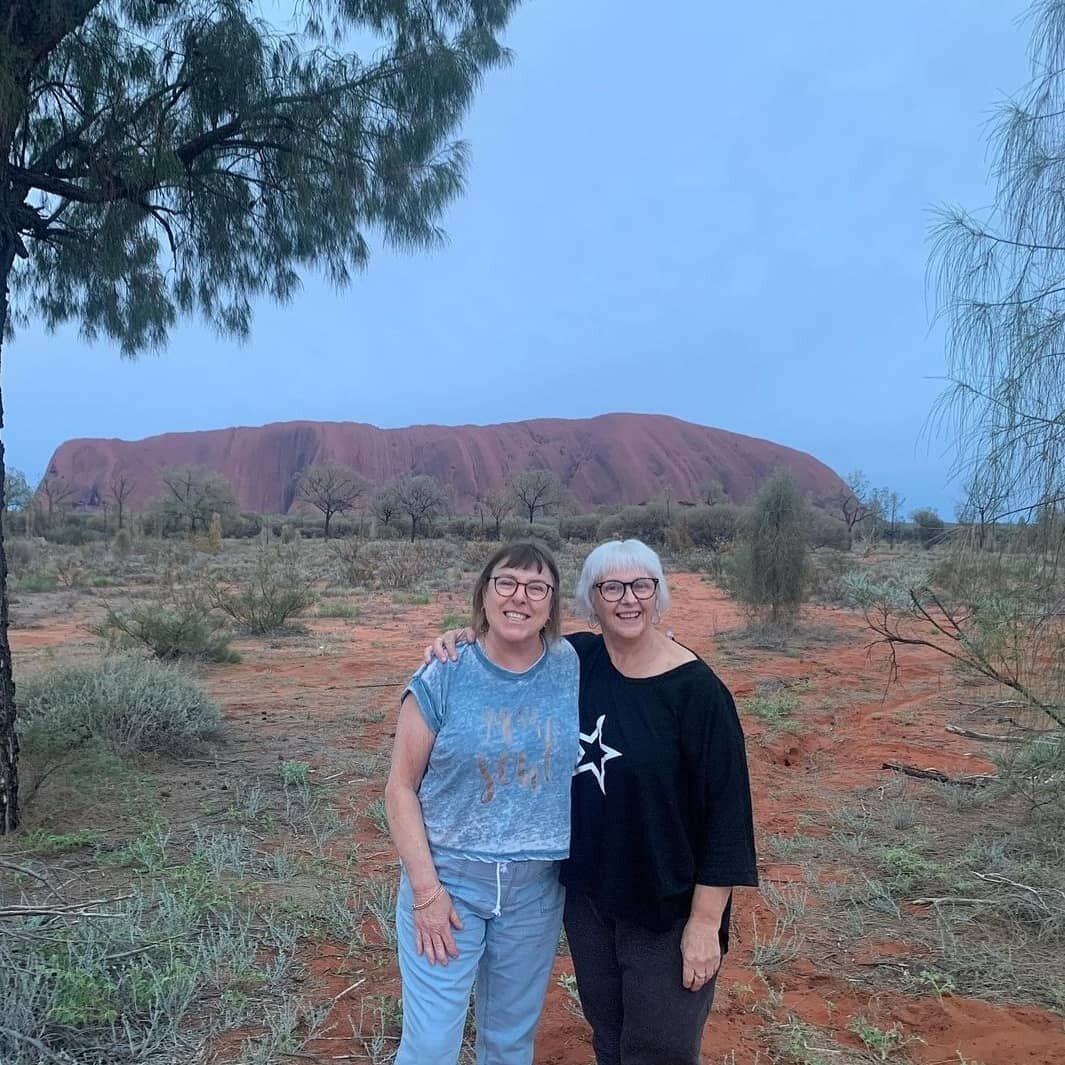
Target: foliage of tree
[(930, 526), (999, 279), (332, 488), (159, 159), (771, 567), (18, 500)]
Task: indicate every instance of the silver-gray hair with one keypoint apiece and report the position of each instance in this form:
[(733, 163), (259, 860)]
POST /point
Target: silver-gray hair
[(616, 556)]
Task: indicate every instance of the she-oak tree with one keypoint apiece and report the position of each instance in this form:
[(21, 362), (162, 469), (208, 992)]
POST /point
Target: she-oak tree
[(161, 158)]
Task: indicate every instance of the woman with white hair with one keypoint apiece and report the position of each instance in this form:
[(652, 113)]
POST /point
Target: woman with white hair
[(661, 823)]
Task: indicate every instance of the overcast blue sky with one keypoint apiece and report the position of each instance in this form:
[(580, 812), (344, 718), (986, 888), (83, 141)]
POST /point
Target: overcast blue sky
[(720, 214)]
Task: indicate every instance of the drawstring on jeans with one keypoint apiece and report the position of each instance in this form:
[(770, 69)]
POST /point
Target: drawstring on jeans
[(500, 866)]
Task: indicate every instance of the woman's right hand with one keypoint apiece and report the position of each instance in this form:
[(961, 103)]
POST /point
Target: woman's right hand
[(432, 930), (443, 647)]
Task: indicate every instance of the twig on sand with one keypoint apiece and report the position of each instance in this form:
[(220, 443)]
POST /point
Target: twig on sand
[(990, 737), (938, 775)]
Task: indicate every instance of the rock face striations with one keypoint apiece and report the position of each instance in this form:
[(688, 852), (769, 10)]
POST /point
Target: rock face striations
[(615, 458)]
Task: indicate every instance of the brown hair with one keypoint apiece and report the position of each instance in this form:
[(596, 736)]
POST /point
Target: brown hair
[(523, 554)]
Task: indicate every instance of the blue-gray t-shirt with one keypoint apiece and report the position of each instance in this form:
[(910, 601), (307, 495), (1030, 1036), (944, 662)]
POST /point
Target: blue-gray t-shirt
[(498, 781)]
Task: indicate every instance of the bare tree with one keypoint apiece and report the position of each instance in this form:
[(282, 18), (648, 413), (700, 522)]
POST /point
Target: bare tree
[(121, 487), (194, 494), (332, 488), (893, 504), (535, 490), (56, 491), (983, 499), (384, 503), (574, 459), (711, 492), (853, 502), (421, 498), (498, 503)]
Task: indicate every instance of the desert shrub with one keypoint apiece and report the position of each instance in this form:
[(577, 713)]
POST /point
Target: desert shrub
[(36, 579), (244, 526), (826, 530), (929, 525), (69, 573), (73, 532), (278, 589), (713, 527), (648, 523), (464, 527), (584, 528), (518, 529), (348, 560), (125, 703), (400, 566), (20, 555), (122, 543), (181, 627), (290, 533), (828, 575)]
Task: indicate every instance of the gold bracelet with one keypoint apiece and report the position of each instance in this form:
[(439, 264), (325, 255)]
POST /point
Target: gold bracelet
[(430, 900)]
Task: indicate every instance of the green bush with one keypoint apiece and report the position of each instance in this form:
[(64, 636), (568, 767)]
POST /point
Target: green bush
[(649, 523), (73, 532), (828, 575), (826, 530), (768, 570), (125, 703), (182, 628), (465, 527), (122, 544), (20, 555), (37, 579), (931, 528), (584, 528), (518, 529), (713, 527)]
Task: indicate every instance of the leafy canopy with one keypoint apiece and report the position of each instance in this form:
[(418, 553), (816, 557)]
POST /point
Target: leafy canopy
[(168, 157)]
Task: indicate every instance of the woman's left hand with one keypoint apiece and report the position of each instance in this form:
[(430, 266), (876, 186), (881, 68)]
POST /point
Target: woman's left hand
[(700, 951)]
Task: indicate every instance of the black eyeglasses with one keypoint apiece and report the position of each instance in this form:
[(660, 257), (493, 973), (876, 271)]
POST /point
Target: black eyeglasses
[(535, 590), (614, 591)]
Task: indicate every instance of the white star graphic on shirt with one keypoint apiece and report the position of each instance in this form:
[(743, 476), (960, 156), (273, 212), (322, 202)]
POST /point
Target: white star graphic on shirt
[(597, 767)]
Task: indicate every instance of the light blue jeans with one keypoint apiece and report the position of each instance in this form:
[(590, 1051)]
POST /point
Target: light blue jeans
[(511, 914)]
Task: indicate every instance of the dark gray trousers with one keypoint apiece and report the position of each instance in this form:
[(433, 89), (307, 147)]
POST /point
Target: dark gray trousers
[(629, 981)]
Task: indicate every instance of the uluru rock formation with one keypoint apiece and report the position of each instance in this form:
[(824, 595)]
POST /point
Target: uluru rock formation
[(611, 459)]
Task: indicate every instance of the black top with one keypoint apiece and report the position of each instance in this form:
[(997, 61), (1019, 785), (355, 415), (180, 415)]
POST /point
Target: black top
[(661, 796)]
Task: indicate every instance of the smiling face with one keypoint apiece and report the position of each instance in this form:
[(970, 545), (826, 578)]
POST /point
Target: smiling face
[(518, 617), (629, 618)]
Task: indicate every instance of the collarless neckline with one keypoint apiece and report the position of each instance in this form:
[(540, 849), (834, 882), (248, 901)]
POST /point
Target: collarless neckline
[(503, 671)]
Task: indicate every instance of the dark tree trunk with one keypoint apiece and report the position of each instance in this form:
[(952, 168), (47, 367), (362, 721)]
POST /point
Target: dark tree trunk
[(9, 811)]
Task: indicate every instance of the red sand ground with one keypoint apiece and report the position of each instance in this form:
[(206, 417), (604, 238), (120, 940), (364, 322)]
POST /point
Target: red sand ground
[(279, 695)]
